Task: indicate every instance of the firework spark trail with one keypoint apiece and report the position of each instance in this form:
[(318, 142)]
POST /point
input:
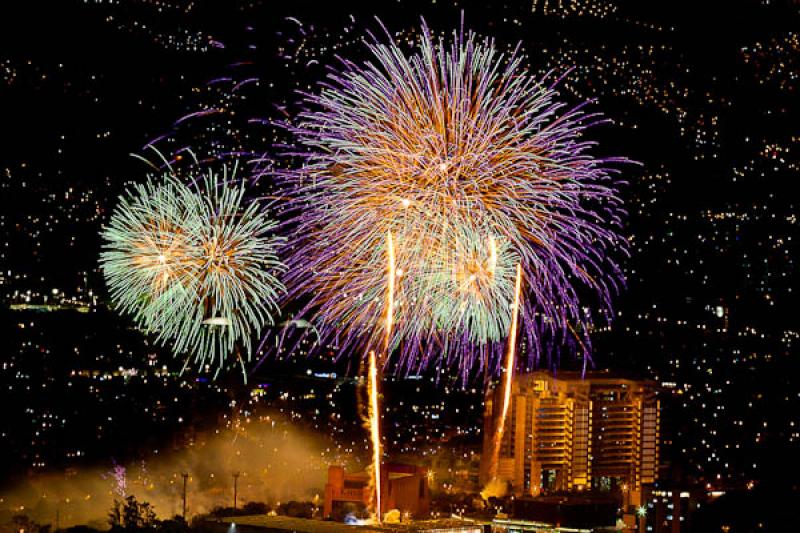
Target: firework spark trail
[(444, 148), (507, 378), (391, 272), (193, 265), (374, 430), (373, 385)]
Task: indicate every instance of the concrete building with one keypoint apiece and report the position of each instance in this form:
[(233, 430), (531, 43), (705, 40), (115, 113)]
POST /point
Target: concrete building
[(569, 432), (403, 487)]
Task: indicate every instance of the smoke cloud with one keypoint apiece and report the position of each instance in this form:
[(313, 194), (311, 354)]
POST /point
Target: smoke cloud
[(275, 462)]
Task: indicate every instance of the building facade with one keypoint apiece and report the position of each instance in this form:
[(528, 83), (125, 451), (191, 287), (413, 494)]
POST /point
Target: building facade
[(573, 432), (403, 487)]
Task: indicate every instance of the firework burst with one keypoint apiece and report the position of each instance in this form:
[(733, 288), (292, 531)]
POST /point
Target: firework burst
[(193, 265), (473, 166), (471, 287)]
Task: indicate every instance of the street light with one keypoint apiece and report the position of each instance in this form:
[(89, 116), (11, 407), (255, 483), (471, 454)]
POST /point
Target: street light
[(235, 488), (185, 477)]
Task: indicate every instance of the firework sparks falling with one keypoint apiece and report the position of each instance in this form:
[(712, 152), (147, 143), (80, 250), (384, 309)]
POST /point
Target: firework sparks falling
[(193, 265), (119, 476)]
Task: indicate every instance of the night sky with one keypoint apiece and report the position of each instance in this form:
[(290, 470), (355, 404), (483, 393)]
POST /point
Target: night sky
[(704, 98)]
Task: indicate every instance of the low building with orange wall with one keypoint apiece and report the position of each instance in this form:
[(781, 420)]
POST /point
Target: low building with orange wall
[(403, 487)]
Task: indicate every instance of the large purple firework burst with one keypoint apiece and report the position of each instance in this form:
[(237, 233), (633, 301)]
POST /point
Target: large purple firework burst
[(471, 165)]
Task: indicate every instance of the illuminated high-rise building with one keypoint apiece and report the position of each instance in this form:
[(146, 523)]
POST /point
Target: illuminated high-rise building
[(573, 432)]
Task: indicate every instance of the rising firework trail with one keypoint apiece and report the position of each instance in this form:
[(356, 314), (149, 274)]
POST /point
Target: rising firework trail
[(391, 273), (374, 416), (374, 378), (508, 374)]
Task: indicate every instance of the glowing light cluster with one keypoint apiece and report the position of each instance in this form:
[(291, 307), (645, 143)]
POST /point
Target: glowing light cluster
[(194, 265), (472, 165)]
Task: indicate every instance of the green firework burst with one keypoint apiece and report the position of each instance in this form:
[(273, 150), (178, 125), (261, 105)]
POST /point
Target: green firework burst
[(194, 265)]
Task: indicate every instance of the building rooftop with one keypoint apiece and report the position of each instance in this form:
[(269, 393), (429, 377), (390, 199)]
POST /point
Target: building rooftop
[(305, 525)]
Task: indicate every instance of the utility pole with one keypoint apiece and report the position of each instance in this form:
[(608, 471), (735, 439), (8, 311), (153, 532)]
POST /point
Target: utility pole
[(185, 477), (235, 488)]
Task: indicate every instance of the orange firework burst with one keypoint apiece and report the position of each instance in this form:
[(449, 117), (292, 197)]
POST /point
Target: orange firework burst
[(448, 149)]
